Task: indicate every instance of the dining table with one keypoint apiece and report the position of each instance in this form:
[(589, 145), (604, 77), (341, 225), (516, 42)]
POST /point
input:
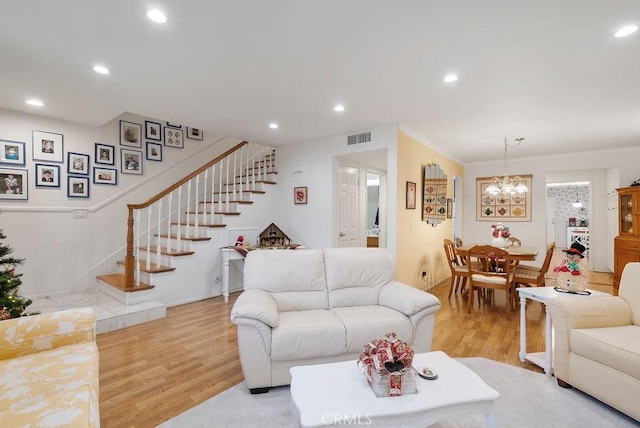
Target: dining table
[(517, 252)]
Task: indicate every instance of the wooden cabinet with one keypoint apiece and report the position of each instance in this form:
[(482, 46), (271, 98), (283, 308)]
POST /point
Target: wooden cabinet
[(627, 243)]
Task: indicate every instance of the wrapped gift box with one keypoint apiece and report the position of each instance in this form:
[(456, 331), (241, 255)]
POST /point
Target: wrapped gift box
[(385, 384)]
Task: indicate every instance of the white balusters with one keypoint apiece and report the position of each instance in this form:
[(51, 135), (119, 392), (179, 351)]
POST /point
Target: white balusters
[(212, 206), (169, 212), (179, 232), (188, 229), (158, 234), (136, 246), (148, 231), (196, 214), (204, 196)]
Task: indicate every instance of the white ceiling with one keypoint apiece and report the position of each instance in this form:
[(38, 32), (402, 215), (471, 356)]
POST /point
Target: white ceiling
[(550, 71)]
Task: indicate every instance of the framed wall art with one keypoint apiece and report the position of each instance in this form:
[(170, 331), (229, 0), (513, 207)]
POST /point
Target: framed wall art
[(195, 134), (152, 130), (14, 183), (12, 152), (174, 125), (77, 163), (131, 161), (130, 134), (48, 146), (300, 195), (105, 176), (516, 207), (47, 175), (105, 154), (411, 196), (173, 137), (77, 187), (154, 152), (449, 208)]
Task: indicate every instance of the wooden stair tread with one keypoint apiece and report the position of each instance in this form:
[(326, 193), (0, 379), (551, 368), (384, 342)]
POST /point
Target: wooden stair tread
[(117, 280), (166, 252), (216, 212), (186, 238), (153, 268), (244, 191), (182, 223), (224, 202)]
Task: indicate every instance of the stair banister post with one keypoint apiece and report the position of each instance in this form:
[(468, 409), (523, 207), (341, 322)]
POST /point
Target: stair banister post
[(170, 201), (196, 220), (212, 206), (226, 209), (220, 166), (149, 251), (136, 244), (159, 233), (179, 232), (188, 231), (253, 168), (129, 261), (204, 196)]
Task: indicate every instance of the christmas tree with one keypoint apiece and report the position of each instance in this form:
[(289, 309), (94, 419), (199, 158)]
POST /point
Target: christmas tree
[(11, 304)]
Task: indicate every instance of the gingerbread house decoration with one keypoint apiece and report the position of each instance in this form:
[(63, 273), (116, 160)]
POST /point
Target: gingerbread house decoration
[(273, 236)]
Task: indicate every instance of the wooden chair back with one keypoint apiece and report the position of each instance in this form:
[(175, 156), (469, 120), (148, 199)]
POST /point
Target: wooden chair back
[(514, 241), (491, 268)]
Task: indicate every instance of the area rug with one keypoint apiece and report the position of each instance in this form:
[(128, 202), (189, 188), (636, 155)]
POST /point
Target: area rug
[(527, 399)]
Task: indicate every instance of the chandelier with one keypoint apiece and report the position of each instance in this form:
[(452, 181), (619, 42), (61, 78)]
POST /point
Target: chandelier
[(507, 185)]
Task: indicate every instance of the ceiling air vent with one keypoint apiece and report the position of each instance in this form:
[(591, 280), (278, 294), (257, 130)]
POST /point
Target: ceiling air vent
[(365, 137)]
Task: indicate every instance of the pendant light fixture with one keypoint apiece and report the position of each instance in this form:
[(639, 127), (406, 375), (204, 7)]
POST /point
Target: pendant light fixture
[(507, 185), (577, 203)]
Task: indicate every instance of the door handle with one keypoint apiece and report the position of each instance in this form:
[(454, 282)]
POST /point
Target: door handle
[(342, 234)]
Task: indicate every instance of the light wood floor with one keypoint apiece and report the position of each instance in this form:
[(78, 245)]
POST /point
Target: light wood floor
[(152, 372)]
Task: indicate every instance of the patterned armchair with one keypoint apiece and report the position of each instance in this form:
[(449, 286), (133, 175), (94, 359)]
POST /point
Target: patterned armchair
[(49, 370)]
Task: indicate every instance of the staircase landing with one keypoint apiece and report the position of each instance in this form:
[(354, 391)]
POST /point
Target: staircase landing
[(110, 313)]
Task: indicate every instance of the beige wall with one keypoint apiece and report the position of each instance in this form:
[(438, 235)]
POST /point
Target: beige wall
[(419, 245)]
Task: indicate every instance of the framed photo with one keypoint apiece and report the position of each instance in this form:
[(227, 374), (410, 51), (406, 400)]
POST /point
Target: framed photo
[(173, 137), (195, 133), (154, 152), (14, 183), (77, 187), (174, 125), (300, 195), (105, 176), (48, 146), (130, 134), (105, 154), (77, 163), (411, 196), (449, 208), (131, 161), (12, 152), (47, 175), (500, 208), (153, 130)]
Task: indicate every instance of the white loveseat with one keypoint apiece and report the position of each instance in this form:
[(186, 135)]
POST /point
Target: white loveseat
[(597, 343), (315, 306)]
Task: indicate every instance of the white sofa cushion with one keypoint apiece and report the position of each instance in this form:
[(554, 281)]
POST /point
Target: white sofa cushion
[(355, 275), (630, 291), (295, 278), (616, 347), (365, 323), (407, 300), (307, 334)]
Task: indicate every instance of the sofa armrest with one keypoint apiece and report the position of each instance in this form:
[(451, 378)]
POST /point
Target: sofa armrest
[(255, 304), (407, 299), (35, 333), (592, 312)]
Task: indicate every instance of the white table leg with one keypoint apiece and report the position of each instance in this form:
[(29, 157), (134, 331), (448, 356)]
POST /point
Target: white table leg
[(523, 327), (225, 276), (547, 341), (490, 419)]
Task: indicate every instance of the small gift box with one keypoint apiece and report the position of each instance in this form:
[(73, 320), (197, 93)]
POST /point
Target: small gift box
[(387, 365)]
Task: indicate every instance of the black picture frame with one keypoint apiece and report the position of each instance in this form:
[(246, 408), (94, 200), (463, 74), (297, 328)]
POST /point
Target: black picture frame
[(174, 137), (174, 125), (154, 152), (411, 196), (195, 134), (130, 134), (77, 187), (12, 152), (152, 130), (78, 163), (48, 146), (131, 162), (107, 176), (47, 175), (105, 154)]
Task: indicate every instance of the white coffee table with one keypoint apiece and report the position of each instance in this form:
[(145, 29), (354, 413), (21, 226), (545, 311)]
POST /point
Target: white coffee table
[(542, 295), (338, 394)]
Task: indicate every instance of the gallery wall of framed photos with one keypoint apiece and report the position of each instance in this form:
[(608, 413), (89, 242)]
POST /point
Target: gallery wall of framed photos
[(48, 160)]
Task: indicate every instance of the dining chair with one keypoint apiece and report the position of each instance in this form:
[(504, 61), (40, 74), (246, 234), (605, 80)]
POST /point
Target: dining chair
[(533, 276), (490, 268), (512, 240), (459, 271)]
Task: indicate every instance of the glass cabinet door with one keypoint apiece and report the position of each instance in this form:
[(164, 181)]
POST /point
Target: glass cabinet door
[(626, 213)]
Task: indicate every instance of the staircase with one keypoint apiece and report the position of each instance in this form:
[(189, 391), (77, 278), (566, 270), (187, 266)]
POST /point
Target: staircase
[(174, 238)]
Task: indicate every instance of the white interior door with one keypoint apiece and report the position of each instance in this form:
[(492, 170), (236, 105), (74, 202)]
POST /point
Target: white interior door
[(348, 206)]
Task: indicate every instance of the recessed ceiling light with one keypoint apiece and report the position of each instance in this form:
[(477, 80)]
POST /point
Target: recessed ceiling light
[(34, 102), (339, 107), (449, 78), (273, 125), (100, 69), (156, 16), (625, 31)]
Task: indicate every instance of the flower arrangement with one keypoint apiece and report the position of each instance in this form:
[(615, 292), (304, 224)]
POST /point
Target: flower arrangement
[(500, 230)]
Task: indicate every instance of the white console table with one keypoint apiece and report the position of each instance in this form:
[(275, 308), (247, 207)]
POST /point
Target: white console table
[(228, 254), (542, 295)]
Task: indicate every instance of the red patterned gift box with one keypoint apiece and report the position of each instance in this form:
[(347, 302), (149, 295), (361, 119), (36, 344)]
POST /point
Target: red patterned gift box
[(387, 365)]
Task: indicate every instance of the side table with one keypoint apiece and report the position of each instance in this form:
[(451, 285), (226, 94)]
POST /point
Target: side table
[(542, 295)]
